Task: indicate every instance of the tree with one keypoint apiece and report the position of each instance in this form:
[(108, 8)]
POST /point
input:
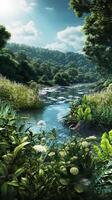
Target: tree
[(98, 30), (4, 36), (8, 65)]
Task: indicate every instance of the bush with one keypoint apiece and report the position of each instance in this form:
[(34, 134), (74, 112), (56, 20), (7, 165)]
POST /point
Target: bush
[(37, 167), (95, 109), (19, 95)]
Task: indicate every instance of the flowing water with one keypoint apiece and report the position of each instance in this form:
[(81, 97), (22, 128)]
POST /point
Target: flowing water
[(57, 105)]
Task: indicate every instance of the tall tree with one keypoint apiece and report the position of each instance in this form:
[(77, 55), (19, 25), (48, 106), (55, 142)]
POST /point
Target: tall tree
[(4, 36), (98, 30)]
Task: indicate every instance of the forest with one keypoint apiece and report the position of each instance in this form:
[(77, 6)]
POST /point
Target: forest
[(22, 64), (40, 164)]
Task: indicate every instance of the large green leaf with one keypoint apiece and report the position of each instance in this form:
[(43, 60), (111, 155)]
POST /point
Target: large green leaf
[(19, 171), (19, 148)]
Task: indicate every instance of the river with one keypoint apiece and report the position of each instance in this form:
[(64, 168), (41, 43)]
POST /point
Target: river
[(57, 105)]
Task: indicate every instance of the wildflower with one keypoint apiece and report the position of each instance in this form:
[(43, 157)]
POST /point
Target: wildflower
[(74, 170), (85, 144), (51, 154), (41, 172), (91, 137), (64, 181), (62, 153), (43, 139), (67, 148), (63, 170), (74, 158), (41, 124), (40, 148), (73, 144)]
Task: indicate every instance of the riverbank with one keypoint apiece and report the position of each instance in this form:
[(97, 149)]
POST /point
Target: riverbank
[(93, 112), (18, 95)]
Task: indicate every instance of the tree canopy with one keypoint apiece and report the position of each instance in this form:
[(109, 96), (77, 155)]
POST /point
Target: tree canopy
[(98, 30), (4, 36)]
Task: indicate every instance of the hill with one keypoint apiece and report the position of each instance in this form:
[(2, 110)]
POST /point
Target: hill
[(23, 64), (54, 56)]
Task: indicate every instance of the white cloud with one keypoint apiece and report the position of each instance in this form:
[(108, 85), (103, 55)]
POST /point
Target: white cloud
[(24, 33), (69, 39), (49, 8), (26, 5)]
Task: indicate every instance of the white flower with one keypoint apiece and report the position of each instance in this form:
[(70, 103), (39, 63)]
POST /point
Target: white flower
[(62, 153), (41, 124), (85, 144), (74, 170), (40, 148), (91, 138), (51, 154)]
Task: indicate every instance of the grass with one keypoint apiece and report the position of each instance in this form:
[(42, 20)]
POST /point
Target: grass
[(19, 95), (95, 109), (101, 107)]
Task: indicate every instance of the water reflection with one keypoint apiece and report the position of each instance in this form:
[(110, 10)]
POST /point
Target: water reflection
[(57, 101)]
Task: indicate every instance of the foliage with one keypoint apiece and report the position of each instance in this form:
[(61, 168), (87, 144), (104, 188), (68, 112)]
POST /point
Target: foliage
[(80, 111), (95, 109), (102, 159), (47, 67), (4, 36), (20, 96), (35, 166), (56, 58), (97, 29), (103, 152)]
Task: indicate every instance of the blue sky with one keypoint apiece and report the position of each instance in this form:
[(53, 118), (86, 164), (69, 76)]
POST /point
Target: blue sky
[(45, 23)]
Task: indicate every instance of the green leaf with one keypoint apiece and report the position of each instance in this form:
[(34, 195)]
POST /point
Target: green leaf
[(13, 183), (24, 181), (21, 128), (1, 129), (19, 148), (106, 146), (110, 135), (104, 136), (64, 182), (24, 139), (5, 144), (4, 188), (19, 171), (79, 188), (97, 151), (3, 169)]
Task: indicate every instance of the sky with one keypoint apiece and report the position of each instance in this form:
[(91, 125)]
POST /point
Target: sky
[(43, 23)]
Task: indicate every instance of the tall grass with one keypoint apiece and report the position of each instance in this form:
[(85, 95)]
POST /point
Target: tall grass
[(95, 109), (19, 95), (101, 107)]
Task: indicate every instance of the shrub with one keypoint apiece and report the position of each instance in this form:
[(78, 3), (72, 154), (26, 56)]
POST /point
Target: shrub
[(36, 167), (102, 159), (96, 109)]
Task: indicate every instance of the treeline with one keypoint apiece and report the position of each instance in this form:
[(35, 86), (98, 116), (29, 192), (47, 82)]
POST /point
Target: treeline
[(23, 63), (57, 57)]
